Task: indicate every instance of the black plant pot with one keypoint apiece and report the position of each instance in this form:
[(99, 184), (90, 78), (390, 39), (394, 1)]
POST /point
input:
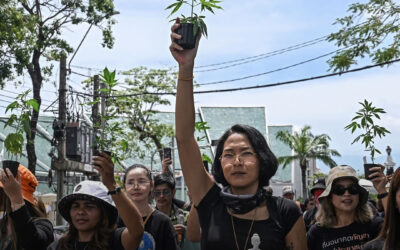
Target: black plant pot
[(367, 170), (188, 40), (12, 165)]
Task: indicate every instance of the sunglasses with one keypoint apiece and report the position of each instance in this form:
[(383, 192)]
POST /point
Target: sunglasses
[(340, 189), (164, 192)]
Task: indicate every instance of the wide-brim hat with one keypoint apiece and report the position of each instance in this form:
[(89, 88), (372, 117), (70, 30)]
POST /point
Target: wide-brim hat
[(90, 191), (340, 172), (28, 183)]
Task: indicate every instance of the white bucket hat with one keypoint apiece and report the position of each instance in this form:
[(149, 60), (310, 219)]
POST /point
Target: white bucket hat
[(89, 190)]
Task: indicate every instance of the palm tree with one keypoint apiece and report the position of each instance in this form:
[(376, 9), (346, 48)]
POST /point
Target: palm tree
[(306, 146)]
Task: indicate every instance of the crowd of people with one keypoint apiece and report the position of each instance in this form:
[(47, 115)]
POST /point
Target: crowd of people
[(232, 207)]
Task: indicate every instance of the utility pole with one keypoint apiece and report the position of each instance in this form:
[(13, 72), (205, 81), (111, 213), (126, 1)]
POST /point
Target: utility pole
[(62, 107), (95, 112), (103, 111)]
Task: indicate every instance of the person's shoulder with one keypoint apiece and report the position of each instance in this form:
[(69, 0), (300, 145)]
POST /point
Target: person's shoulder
[(286, 205), (376, 221), (374, 244), (315, 229)]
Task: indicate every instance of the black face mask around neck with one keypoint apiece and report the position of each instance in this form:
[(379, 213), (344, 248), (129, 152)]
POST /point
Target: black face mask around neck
[(241, 204)]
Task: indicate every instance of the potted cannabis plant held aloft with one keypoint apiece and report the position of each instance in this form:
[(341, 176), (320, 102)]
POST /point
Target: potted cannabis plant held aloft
[(109, 138), (365, 120), (190, 25), (19, 120)]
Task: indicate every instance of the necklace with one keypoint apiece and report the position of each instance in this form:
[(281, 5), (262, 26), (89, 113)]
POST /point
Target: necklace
[(248, 234)]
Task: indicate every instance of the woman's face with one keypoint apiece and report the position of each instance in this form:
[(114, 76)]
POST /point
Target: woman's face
[(85, 215), (137, 185), (240, 164), (346, 202)]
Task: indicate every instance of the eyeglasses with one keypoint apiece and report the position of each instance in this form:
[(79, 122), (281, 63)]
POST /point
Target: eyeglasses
[(340, 189), (140, 182), (164, 192), (245, 156)]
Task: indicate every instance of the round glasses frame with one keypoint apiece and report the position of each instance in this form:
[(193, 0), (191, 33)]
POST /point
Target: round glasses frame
[(245, 156)]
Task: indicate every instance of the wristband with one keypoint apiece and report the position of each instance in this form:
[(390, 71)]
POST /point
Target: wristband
[(185, 79), (383, 195), (115, 191)]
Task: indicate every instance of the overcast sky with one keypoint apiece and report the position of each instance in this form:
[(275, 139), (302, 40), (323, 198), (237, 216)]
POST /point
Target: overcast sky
[(249, 28)]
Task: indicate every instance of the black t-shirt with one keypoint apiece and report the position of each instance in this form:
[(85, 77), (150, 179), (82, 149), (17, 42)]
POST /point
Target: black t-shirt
[(159, 234), (114, 242), (354, 235), (217, 231)]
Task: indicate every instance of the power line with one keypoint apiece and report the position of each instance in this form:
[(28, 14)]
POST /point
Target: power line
[(245, 59), (256, 86), (271, 71), (8, 102), (16, 93), (257, 57), (79, 74)]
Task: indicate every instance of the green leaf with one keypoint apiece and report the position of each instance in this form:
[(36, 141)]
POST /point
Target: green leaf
[(27, 128), (34, 104)]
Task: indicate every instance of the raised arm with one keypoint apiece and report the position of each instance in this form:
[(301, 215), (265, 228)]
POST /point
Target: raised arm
[(379, 179), (132, 234), (196, 177), (193, 230)]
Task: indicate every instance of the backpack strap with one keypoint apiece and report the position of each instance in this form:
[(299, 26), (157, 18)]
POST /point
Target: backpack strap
[(273, 211)]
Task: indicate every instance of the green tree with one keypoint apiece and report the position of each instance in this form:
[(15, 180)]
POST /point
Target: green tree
[(306, 146), (371, 29), (137, 107), (31, 39)]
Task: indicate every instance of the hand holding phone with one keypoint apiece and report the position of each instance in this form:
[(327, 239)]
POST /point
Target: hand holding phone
[(167, 153), (12, 165)]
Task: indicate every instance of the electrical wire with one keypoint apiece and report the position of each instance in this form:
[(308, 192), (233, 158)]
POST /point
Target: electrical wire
[(271, 71), (247, 60), (16, 93), (257, 86)]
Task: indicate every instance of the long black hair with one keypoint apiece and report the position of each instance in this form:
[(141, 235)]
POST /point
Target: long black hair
[(268, 164)]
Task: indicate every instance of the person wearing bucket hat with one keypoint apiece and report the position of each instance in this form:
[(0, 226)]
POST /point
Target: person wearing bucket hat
[(344, 219), (22, 225), (316, 191), (92, 209)]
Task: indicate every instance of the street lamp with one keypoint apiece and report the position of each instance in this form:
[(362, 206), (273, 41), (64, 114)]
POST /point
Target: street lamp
[(389, 164), (388, 150)]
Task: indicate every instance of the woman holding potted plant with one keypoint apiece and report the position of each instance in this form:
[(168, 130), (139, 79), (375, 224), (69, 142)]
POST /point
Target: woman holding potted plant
[(243, 164), (344, 219), (92, 210), (22, 225)]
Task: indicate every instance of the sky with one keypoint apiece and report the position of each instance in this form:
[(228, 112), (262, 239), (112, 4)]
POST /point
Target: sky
[(249, 28)]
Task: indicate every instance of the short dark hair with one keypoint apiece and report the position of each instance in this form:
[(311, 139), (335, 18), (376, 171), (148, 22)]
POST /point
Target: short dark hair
[(134, 166), (268, 164), (164, 179)]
